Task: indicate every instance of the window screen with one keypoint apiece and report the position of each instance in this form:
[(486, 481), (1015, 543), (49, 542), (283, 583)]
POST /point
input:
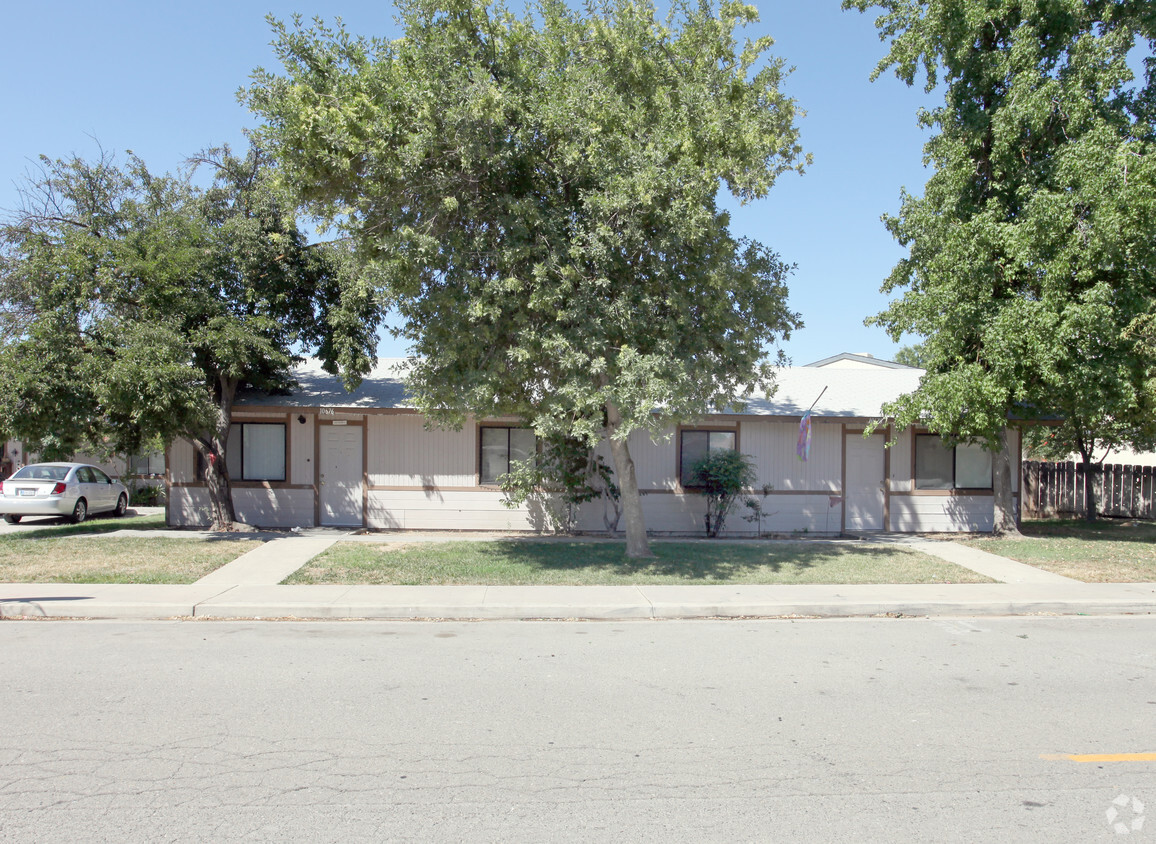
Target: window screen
[(502, 447), (933, 463), (972, 467), (697, 445), (256, 451)]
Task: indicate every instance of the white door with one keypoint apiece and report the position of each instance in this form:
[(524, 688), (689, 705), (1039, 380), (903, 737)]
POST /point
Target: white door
[(340, 476), (863, 498)]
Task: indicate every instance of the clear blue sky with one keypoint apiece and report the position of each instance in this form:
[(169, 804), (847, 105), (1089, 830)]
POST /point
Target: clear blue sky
[(161, 79)]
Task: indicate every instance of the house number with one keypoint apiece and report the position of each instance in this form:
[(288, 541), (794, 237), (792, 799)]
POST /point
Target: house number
[(327, 411)]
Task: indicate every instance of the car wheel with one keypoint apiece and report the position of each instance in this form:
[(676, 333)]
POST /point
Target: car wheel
[(121, 505), (12, 520), (80, 512)]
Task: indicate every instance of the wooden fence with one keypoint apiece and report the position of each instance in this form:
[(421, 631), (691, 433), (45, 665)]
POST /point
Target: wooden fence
[(1057, 489)]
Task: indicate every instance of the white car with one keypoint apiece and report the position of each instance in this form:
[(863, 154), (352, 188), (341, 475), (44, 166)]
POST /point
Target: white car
[(72, 490)]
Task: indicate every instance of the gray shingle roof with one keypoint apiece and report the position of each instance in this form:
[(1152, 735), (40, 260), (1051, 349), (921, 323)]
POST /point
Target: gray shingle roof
[(851, 393)]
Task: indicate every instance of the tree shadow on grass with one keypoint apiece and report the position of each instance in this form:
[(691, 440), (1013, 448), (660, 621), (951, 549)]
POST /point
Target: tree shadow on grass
[(1101, 530), (685, 562)]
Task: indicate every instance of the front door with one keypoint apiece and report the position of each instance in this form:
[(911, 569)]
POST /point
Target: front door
[(863, 497), (340, 473)]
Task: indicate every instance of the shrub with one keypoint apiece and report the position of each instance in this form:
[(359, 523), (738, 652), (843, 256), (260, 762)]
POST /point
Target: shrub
[(721, 477)]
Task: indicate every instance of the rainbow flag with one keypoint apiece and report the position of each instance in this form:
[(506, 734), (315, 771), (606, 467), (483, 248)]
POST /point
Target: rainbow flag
[(803, 447)]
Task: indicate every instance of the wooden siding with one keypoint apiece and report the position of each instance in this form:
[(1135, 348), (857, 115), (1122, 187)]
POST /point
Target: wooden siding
[(446, 510), (182, 462), (402, 452), (301, 436), (258, 506), (946, 513), (772, 444)]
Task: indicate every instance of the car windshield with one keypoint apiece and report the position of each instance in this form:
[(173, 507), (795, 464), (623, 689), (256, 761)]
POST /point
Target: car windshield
[(41, 473)]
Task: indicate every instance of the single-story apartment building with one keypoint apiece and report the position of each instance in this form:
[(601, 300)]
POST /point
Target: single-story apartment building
[(324, 456)]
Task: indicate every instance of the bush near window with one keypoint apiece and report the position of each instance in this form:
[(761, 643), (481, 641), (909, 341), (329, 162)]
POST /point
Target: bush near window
[(721, 477), (563, 476)]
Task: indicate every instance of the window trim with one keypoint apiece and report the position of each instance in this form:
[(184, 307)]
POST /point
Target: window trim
[(241, 451), (478, 452), (954, 489), (708, 429)]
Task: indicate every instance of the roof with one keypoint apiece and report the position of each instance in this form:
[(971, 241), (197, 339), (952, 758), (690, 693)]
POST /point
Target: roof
[(847, 360), (842, 393), (849, 393), (382, 387)]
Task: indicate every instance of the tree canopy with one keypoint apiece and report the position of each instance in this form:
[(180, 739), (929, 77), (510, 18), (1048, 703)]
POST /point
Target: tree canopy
[(134, 306), (1031, 250), (541, 195)]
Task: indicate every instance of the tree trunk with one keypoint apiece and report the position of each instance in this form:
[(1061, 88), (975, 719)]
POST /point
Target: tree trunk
[(1005, 516), (637, 545), (1090, 510), (212, 450)]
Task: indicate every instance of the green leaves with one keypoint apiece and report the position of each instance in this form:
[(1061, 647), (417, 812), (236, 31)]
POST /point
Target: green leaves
[(539, 193), (1031, 249), (135, 304)]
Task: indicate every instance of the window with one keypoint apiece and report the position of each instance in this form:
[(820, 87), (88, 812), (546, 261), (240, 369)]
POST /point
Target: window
[(696, 445), (502, 447), (940, 467), (147, 464), (256, 451)]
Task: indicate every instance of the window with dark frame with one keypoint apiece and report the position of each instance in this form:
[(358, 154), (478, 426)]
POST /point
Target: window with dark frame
[(501, 447), (697, 445), (256, 451), (938, 466)]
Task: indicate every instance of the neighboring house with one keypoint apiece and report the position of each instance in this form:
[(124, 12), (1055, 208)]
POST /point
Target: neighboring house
[(847, 360), (366, 459), (145, 470)]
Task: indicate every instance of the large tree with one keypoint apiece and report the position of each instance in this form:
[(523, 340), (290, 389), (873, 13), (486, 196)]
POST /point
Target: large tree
[(134, 306), (541, 192), (1031, 250)]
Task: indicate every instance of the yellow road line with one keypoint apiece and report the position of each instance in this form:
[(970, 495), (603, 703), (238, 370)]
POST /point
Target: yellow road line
[(1100, 757)]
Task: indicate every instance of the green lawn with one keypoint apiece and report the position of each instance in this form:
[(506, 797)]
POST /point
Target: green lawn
[(96, 524), (1104, 551), (72, 554), (513, 562)]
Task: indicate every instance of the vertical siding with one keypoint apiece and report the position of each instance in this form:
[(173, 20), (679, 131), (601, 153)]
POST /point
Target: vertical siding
[(901, 470), (301, 447), (655, 460), (182, 462), (772, 444), (403, 453)]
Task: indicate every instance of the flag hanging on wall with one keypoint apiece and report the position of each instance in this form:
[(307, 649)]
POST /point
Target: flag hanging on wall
[(803, 447)]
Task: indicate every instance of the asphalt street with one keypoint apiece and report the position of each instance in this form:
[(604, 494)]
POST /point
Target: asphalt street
[(865, 730)]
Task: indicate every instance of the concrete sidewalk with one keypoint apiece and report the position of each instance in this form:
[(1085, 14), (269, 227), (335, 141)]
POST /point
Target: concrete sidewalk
[(248, 588), (564, 602)]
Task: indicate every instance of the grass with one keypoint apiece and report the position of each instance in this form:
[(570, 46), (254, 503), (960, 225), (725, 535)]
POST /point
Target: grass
[(1104, 551), (605, 563), (72, 554), (95, 525)]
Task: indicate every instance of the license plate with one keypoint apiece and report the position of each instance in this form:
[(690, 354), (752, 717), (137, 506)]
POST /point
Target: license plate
[(26, 491)]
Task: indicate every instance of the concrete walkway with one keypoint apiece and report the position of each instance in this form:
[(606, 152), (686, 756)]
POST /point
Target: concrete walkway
[(248, 588)]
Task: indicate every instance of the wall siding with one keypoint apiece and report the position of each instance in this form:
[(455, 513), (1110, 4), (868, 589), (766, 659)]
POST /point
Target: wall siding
[(947, 513), (447, 510), (403, 453), (268, 508), (181, 462)]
